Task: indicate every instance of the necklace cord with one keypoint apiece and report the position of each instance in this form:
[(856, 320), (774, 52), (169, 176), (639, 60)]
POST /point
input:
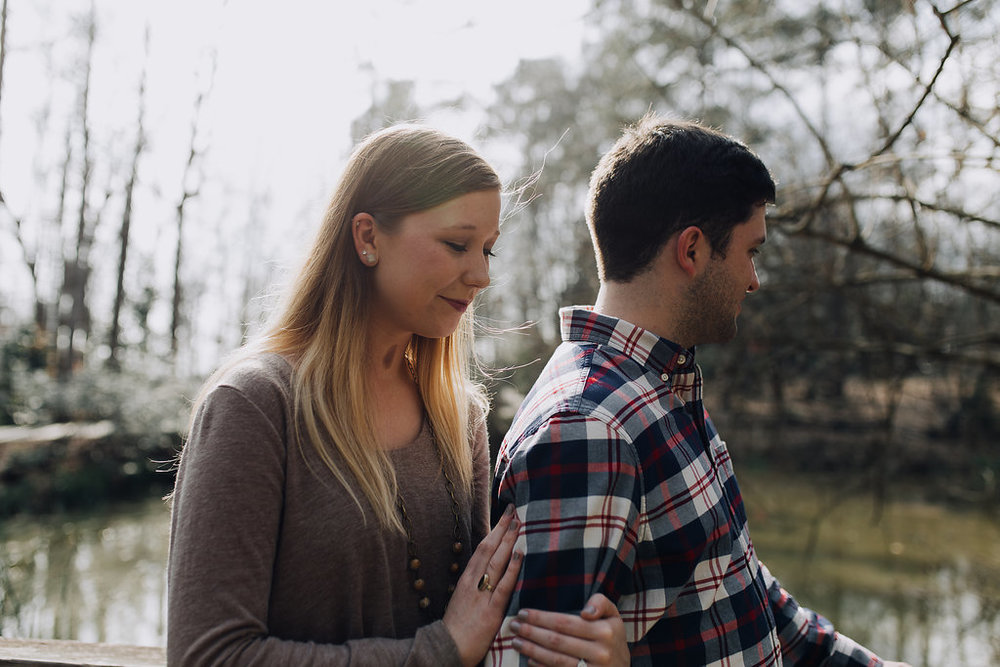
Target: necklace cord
[(413, 560)]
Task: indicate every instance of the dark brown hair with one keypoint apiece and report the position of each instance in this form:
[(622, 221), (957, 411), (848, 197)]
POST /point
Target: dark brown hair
[(661, 177)]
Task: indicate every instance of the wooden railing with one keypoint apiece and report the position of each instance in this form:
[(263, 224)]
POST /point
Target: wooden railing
[(55, 653)]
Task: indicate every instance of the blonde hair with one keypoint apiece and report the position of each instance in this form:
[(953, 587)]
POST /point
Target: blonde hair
[(397, 171)]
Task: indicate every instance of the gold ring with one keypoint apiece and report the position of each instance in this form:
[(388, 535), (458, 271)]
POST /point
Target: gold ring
[(484, 583)]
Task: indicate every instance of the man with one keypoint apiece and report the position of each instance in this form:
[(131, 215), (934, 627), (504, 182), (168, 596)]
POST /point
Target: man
[(622, 484)]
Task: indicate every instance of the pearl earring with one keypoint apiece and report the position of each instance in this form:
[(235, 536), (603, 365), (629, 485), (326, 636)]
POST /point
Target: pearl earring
[(369, 258)]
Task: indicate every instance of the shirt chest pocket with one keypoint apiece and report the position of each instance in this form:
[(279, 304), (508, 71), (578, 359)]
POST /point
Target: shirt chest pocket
[(696, 533), (720, 456)]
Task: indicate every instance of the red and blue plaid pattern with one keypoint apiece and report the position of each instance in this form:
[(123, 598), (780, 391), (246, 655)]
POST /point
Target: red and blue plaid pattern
[(624, 487)]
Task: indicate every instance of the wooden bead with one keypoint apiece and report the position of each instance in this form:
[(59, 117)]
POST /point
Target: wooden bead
[(453, 568), (425, 602), (415, 564), (451, 588), (457, 547), (418, 585)]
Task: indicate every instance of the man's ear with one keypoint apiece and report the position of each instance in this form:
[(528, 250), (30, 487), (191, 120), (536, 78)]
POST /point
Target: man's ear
[(691, 250)]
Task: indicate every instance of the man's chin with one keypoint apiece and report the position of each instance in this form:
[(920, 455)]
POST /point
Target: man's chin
[(725, 336)]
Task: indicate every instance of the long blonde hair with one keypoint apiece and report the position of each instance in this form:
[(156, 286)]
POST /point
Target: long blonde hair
[(397, 171)]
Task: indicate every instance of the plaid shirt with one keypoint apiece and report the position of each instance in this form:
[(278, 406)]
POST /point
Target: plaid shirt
[(625, 488)]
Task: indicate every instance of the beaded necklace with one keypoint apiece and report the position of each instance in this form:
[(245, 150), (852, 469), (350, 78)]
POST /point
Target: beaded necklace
[(413, 560)]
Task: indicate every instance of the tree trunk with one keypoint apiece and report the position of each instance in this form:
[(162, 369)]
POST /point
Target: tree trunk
[(74, 315), (114, 338), (189, 190), (3, 43), (175, 303)]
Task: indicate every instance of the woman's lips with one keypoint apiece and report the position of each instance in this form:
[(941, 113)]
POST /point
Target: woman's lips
[(457, 304)]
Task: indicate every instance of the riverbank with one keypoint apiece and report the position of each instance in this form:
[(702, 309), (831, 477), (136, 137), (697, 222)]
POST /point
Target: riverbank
[(80, 465)]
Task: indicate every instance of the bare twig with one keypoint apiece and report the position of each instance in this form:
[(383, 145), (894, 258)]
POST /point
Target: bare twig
[(761, 67), (917, 269)]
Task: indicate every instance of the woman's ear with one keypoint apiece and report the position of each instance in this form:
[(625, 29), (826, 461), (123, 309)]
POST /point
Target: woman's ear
[(691, 250), (363, 231)]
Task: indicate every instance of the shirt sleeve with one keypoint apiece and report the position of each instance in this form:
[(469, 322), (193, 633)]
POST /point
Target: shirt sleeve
[(575, 485), (226, 512), (808, 638)]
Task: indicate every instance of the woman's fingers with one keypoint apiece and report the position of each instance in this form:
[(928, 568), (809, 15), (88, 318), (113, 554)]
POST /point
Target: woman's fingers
[(597, 635), (500, 562), (557, 625), (507, 572), (491, 558), (478, 605), (599, 606), (485, 550), (547, 648)]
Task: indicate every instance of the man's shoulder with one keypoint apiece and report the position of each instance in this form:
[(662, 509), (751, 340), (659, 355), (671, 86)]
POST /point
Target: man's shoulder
[(583, 382)]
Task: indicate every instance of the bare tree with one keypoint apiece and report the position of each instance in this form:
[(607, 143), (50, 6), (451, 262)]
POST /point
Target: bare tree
[(74, 315), (28, 255), (114, 341), (3, 45), (190, 186)]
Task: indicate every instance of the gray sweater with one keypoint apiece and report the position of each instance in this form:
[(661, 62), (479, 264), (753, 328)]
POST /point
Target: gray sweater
[(271, 561)]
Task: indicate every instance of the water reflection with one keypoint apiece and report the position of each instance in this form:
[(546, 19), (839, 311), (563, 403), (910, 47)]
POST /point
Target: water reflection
[(922, 585), (952, 624), (97, 578)]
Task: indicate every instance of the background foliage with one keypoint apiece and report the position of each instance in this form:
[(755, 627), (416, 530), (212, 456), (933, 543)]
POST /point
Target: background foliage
[(874, 345)]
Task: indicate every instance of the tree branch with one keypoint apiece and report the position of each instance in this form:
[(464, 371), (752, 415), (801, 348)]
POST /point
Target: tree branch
[(860, 246)]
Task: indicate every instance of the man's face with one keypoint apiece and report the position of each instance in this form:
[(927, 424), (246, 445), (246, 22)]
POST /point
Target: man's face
[(716, 295)]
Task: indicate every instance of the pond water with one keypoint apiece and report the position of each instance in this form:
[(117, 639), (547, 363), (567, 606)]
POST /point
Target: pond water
[(921, 584), (95, 577), (915, 581)]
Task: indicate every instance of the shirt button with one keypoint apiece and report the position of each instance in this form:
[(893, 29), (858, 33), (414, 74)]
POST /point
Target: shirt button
[(681, 360), (664, 376)]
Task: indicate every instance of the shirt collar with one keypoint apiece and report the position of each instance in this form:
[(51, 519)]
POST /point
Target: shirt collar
[(581, 324)]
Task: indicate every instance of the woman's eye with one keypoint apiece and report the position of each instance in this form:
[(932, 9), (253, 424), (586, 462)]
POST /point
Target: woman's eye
[(457, 247)]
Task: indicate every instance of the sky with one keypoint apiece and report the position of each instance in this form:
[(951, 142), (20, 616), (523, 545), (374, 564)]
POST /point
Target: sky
[(287, 81), (281, 83)]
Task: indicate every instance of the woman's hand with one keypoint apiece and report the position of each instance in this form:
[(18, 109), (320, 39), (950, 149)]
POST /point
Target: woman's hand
[(479, 603), (596, 636)]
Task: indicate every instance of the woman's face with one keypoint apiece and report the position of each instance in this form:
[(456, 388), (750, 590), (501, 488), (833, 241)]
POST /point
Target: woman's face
[(434, 263)]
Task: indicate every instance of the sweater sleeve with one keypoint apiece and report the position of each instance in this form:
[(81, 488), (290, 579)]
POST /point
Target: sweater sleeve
[(227, 509)]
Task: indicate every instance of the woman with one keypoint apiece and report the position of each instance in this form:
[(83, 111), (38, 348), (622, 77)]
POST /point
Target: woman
[(334, 485)]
